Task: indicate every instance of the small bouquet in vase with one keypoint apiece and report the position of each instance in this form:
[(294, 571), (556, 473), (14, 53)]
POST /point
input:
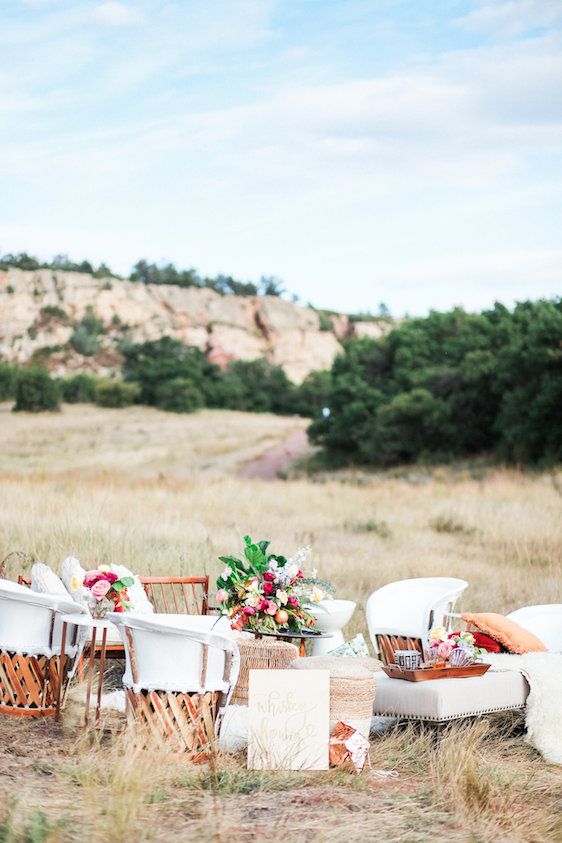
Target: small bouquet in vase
[(106, 591), (265, 592), (456, 648)]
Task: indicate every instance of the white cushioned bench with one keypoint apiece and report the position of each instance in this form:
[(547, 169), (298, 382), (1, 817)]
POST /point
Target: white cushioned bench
[(441, 700)]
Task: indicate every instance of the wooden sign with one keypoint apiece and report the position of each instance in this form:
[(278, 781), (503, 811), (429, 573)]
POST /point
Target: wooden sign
[(289, 719)]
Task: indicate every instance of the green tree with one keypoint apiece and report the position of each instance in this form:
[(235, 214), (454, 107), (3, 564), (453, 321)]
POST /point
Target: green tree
[(179, 395), (35, 391), (79, 389)]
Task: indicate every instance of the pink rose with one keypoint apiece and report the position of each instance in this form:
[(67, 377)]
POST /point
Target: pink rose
[(445, 649), (222, 595), (90, 577), (271, 608), (100, 589), (292, 601), (249, 611)]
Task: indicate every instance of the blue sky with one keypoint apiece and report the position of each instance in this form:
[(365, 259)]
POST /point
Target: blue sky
[(361, 150)]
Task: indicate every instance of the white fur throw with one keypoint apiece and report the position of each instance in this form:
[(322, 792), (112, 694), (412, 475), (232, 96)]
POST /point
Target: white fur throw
[(543, 716)]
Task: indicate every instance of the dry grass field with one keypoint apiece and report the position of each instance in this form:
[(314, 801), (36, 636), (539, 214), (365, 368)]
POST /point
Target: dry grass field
[(161, 494)]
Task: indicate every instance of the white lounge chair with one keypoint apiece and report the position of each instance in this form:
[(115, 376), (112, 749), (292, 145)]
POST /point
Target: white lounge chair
[(178, 680), (32, 676), (543, 621), (400, 614)]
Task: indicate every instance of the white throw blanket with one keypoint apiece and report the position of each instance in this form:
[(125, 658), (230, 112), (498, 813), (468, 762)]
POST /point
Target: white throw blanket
[(543, 716)]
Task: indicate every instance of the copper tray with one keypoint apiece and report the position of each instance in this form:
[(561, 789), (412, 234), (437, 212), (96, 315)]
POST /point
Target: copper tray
[(422, 675)]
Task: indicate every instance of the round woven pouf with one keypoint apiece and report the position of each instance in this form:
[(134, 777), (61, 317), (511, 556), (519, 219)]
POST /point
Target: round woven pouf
[(352, 688), (260, 654)]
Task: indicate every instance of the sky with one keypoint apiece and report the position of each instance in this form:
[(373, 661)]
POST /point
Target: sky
[(364, 151)]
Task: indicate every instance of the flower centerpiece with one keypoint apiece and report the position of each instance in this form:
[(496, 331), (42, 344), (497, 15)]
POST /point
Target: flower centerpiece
[(457, 648), (106, 591), (266, 592)]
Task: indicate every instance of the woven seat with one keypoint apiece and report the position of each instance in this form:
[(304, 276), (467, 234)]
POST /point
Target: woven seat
[(352, 687), (260, 654)]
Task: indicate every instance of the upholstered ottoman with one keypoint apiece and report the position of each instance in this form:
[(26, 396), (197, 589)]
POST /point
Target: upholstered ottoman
[(441, 700)]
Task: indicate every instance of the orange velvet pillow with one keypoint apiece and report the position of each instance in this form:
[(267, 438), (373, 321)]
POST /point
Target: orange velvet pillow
[(513, 637)]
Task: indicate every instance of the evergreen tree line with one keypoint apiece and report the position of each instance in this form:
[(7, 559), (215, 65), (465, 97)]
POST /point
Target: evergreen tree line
[(450, 385), (167, 374), (145, 272)]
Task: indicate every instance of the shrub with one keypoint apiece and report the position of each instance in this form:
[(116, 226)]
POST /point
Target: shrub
[(53, 311), (36, 391), (79, 389), (115, 393), (85, 338), (258, 387), (7, 381), (179, 395)]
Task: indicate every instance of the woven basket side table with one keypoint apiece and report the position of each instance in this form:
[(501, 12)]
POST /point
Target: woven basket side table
[(352, 687), (260, 654)]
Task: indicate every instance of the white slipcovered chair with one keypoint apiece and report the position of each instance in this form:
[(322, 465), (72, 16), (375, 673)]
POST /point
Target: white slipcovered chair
[(400, 614), (178, 679), (543, 621), (31, 628)]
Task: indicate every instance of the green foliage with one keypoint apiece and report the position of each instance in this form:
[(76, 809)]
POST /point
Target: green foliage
[(449, 385), (79, 389), (85, 338), (258, 387), (53, 311), (179, 395), (35, 391), (59, 262), (7, 381), (115, 393), (313, 394), (151, 364)]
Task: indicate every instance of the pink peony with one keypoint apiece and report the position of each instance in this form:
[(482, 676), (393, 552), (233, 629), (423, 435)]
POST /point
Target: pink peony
[(249, 610), (222, 595), (100, 589), (445, 649), (271, 608)]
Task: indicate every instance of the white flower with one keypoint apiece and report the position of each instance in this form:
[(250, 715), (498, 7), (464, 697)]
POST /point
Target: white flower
[(316, 595), (292, 570), (273, 564), (253, 598), (314, 573), (282, 597), (438, 633), (227, 573), (300, 556)]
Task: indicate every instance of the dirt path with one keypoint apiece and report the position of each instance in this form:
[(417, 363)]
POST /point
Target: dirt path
[(270, 464)]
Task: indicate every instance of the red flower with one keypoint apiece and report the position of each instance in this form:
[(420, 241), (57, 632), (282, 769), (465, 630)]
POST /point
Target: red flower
[(269, 576), (300, 575), (292, 601), (267, 588), (249, 610), (109, 576)]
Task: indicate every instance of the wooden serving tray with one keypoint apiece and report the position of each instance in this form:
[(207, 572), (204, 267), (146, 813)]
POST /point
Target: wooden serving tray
[(422, 675)]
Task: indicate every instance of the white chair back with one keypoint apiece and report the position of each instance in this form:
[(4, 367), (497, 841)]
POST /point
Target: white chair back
[(31, 623), (543, 621), (411, 607), (164, 656)]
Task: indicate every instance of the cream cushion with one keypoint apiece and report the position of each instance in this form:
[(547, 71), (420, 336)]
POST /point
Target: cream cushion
[(439, 700), (45, 581)]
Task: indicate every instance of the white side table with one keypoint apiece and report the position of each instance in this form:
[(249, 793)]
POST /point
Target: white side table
[(94, 624)]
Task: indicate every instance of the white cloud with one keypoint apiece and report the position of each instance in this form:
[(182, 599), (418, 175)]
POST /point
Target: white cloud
[(115, 14), (513, 17)]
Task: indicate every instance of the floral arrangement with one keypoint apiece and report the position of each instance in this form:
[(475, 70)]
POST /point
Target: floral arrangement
[(456, 647), (106, 590), (265, 592)]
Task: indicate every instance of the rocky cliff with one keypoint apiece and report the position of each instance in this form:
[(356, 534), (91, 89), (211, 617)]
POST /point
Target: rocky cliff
[(39, 312)]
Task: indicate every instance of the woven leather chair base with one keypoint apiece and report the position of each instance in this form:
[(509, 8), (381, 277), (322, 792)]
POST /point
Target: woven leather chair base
[(29, 685), (186, 722), (389, 643)]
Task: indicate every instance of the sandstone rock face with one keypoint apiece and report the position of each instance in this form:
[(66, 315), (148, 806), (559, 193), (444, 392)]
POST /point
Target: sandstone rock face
[(40, 310)]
